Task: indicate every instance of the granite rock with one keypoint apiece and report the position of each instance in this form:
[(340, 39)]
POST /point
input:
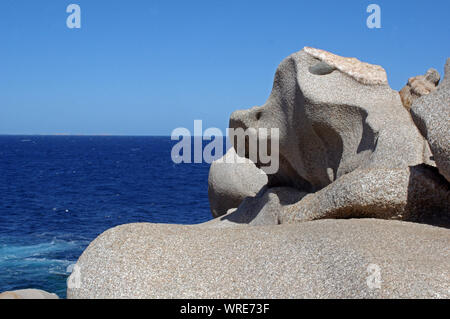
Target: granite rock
[(417, 194), (28, 294), (337, 118), (232, 179), (419, 86), (431, 113), (265, 208), (348, 149), (319, 259)]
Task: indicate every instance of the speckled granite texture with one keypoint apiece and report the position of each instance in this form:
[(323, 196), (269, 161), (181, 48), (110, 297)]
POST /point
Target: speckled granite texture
[(431, 113), (320, 259)]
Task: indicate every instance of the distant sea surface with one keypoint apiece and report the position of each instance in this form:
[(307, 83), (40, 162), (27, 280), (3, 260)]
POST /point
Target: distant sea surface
[(58, 193)]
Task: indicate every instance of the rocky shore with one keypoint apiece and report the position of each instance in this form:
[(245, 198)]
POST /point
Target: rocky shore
[(363, 184), (359, 208)]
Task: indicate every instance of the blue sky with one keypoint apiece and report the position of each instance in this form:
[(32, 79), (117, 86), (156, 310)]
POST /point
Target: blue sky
[(147, 67)]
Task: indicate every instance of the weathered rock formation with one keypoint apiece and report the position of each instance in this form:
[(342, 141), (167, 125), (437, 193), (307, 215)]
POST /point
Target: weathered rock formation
[(232, 179), (348, 149), (347, 141), (419, 86), (431, 113)]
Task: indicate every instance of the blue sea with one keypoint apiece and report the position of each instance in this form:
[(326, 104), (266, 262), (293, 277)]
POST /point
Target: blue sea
[(58, 193)]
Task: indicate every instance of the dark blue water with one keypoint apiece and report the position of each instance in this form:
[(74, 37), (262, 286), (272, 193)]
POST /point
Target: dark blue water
[(57, 193)]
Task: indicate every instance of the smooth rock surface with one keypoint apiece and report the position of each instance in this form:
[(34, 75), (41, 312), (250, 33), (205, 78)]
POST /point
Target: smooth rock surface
[(339, 118), (232, 179), (431, 113), (320, 259), (28, 294), (331, 124), (419, 86)]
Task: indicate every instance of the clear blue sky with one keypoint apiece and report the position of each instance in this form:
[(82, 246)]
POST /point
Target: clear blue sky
[(147, 67)]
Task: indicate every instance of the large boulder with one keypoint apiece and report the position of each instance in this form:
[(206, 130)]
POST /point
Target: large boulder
[(334, 115), (322, 259), (232, 179), (341, 127), (28, 294), (419, 86), (431, 113)]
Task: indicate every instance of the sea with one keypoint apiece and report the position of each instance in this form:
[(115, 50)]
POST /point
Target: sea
[(58, 193)]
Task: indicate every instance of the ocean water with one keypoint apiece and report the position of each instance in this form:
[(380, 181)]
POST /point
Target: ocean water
[(58, 193)]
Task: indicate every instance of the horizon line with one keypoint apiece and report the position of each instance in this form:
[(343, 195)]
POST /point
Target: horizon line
[(101, 135)]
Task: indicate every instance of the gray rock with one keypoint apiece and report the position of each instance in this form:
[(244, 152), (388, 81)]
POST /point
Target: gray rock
[(230, 182), (419, 86), (431, 113), (337, 117), (28, 294), (265, 208), (320, 259), (416, 194)]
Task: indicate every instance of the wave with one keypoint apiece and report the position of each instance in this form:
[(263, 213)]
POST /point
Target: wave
[(38, 252)]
